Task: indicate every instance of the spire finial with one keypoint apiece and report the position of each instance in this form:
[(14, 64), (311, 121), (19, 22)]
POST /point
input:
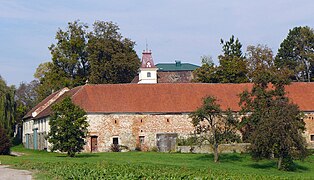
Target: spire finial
[(146, 46)]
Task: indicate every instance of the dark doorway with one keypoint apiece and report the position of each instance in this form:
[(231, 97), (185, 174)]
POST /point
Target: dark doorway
[(93, 143), (115, 141), (166, 142)]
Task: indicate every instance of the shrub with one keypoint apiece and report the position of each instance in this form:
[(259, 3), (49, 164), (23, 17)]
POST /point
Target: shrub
[(5, 143), (190, 141), (115, 148), (154, 149)]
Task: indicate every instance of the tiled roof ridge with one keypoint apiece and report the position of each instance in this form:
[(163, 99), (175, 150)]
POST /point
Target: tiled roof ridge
[(80, 89), (49, 102)]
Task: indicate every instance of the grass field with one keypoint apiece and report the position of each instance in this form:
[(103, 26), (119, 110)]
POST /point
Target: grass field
[(152, 165)]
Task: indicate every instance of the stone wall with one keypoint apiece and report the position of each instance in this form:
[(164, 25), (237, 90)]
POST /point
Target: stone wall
[(309, 125), (140, 130), (222, 148), (134, 130)]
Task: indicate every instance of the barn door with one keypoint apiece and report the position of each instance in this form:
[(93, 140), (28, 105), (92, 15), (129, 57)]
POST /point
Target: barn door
[(93, 143)]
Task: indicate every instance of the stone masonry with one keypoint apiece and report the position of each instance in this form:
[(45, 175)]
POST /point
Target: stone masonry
[(128, 128)]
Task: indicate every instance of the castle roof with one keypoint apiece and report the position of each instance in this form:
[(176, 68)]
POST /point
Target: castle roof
[(163, 98), (177, 66)]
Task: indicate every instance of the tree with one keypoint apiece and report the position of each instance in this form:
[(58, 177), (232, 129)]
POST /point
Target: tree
[(5, 143), (271, 123), (69, 66), (68, 127), (296, 53), (232, 65), (207, 72), (78, 56), (26, 98), (7, 107), (212, 126), (112, 58), (279, 134)]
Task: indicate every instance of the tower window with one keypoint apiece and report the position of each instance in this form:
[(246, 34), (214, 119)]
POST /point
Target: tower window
[(312, 137), (149, 74)]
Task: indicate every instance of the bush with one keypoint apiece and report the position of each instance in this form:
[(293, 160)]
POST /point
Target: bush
[(5, 143), (154, 149), (115, 148), (190, 141)]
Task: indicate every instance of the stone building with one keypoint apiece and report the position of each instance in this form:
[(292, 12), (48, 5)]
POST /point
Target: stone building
[(147, 114)]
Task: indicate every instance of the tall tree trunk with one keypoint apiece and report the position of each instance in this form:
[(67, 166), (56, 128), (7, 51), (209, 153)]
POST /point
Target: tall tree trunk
[(280, 162), (216, 156)]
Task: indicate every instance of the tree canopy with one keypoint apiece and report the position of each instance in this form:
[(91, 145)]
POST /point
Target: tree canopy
[(232, 65), (102, 55), (296, 53), (112, 58), (271, 123), (212, 127), (7, 107), (68, 127)]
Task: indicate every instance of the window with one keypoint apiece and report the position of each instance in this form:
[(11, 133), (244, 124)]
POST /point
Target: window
[(312, 137), (149, 74), (141, 139), (115, 140)]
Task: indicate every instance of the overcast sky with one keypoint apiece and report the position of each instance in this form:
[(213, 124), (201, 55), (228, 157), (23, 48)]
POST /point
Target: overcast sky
[(174, 29)]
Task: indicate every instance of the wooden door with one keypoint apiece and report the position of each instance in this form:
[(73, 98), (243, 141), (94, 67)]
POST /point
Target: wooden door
[(93, 143)]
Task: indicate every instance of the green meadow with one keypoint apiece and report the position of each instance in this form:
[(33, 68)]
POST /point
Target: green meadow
[(151, 165)]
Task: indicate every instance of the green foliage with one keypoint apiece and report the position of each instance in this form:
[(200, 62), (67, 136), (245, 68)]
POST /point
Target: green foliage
[(296, 53), (69, 66), (189, 141), (212, 127), (112, 58), (78, 56), (207, 72), (5, 143), (7, 107), (271, 124), (232, 65), (152, 165), (68, 127), (232, 68)]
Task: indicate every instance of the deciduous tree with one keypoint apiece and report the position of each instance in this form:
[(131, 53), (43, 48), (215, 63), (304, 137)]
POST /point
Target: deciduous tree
[(7, 107), (26, 98), (296, 53), (207, 72), (112, 58), (271, 123), (5, 143), (212, 126), (68, 127)]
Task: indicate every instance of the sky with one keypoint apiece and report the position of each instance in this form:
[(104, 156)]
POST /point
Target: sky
[(173, 29)]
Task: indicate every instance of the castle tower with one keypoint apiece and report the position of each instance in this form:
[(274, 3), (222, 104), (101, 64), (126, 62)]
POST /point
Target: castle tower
[(148, 70)]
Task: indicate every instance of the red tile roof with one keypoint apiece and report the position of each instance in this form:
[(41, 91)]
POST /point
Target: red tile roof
[(170, 98)]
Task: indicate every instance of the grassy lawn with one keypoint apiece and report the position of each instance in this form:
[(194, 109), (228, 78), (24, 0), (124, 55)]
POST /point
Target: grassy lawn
[(152, 165)]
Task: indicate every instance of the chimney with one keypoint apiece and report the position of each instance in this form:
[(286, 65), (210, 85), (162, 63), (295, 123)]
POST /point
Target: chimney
[(178, 63)]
